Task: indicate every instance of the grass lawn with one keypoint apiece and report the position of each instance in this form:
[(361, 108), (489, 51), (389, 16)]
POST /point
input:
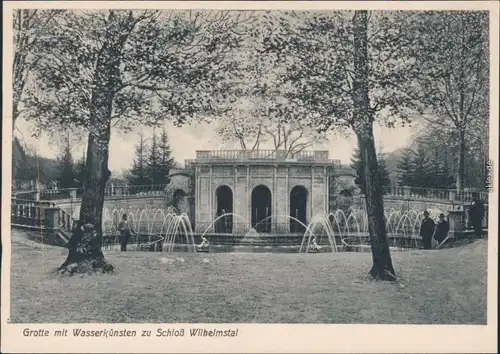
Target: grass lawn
[(443, 287)]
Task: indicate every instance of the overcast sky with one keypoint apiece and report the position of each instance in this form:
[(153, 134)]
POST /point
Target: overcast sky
[(186, 140)]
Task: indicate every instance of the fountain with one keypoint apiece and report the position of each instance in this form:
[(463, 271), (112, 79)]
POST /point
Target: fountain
[(166, 230)]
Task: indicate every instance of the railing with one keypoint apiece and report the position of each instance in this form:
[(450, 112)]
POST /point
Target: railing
[(49, 194), (42, 216), (159, 190), (76, 193), (64, 221), (246, 155), (434, 194), (28, 212)]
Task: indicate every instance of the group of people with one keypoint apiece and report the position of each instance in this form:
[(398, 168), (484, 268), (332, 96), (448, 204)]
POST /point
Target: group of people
[(430, 230), (439, 231)]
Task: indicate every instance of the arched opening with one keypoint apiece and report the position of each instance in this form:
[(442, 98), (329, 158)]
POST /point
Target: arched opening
[(298, 209), (261, 209), (224, 196), (180, 201)]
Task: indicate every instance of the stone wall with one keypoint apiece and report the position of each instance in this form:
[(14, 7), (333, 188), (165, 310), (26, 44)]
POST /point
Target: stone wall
[(242, 180), (142, 202)]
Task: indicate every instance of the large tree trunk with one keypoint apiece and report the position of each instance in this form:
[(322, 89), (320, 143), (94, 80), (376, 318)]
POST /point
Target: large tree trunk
[(19, 66), (461, 160), (106, 81), (363, 125)]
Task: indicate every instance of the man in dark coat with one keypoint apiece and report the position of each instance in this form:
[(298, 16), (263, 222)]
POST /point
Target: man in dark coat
[(125, 231), (427, 230), (476, 215), (442, 228)]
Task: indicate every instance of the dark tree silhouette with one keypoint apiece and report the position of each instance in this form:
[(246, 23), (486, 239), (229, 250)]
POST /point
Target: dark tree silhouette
[(115, 69), (453, 83), (346, 71), (357, 165), (138, 173)]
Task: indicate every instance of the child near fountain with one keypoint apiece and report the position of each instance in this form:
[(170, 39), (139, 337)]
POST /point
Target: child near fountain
[(204, 243), (314, 245)]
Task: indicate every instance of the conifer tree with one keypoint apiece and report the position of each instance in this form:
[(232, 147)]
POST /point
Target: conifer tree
[(153, 164), (357, 165), (167, 161), (405, 168), (66, 166), (138, 173), (80, 169), (421, 176)]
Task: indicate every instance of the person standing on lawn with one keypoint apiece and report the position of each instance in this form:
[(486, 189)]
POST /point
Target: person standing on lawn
[(427, 230), (476, 215), (125, 231), (442, 228)]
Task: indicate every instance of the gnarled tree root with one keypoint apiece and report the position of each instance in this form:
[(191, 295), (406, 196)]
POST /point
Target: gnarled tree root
[(85, 257), (87, 266), (386, 273)]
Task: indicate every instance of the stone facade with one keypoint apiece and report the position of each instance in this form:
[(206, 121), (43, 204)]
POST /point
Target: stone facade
[(180, 191), (258, 188)]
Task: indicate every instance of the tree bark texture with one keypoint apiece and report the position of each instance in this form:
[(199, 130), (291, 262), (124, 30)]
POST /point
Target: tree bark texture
[(363, 125), (106, 82), (461, 160), (19, 69)]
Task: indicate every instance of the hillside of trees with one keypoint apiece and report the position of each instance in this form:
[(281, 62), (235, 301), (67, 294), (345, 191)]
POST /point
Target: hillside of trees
[(430, 161), (27, 166)]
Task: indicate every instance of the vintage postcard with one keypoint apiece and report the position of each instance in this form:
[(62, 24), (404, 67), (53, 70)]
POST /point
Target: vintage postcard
[(250, 177)]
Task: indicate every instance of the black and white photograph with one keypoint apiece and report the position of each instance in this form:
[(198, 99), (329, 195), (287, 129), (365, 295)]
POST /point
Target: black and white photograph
[(170, 164)]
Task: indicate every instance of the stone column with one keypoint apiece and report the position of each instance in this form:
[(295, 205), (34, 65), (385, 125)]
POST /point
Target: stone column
[(309, 214), (72, 193), (197, 196), (274, 202), (212, 212), (235, 222), (452, 194), (327, 194), (51, 217), (287, 196), (456, 219), (247, 200)]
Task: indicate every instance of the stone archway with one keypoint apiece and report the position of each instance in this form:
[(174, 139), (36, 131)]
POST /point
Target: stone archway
[(224, 199), (261, 209), (298, 208)]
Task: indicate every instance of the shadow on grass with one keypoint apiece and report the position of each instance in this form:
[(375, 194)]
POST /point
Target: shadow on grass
[(442, 287)]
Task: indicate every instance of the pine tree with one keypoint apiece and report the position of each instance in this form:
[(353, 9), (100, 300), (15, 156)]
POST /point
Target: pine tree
[(80, 168), (421, 176), (23, 163), (167, 161), (382, 169), (66, 166), (357, 165), (153, 164), (138, 173), (405, 168)]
